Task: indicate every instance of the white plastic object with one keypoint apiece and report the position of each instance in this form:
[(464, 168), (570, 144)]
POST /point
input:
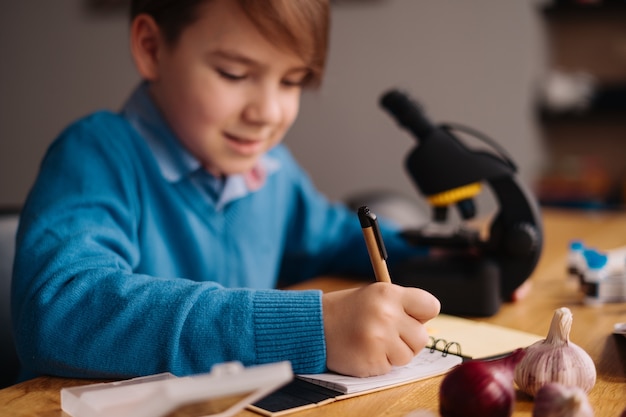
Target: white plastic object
[(161, 394), (604, 280)]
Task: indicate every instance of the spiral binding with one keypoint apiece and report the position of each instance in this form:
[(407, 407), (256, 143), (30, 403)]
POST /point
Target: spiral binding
[(445, 346)]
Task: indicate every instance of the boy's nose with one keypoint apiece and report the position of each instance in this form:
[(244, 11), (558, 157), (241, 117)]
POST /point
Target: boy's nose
[(264, 107)]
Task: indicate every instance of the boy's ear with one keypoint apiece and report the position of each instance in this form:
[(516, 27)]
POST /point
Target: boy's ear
[(145, 45)]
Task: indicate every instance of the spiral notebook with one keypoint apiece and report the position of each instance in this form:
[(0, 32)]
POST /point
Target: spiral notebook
[(453, 340), (308, 391), (473, 339)]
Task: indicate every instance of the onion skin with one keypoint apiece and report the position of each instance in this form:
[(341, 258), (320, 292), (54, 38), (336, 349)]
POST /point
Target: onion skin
[(480, 388)]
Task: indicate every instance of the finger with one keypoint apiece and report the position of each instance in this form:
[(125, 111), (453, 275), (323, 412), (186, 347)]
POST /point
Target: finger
[(420, 304), (399, 353), (412, 337), (413, 333)]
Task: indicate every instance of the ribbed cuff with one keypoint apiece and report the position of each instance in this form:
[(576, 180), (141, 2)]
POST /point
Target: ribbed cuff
[(289, 326)]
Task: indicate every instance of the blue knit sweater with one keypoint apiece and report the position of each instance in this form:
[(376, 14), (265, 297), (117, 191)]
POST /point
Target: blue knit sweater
[(121, 272)]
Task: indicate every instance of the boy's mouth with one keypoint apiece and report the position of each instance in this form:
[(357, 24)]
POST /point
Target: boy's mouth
[(244, 145)]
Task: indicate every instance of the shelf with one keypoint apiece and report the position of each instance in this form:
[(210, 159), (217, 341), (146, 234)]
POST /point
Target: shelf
[(569, 8), (547, 117), (583, 116), (608, 104), (580, 181)]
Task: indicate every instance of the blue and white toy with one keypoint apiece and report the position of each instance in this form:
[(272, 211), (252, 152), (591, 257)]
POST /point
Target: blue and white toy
[(601, 274)]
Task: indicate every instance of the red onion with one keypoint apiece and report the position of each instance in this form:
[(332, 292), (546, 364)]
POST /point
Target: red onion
[(480, 388)]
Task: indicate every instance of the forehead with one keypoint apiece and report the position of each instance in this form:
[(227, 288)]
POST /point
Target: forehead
[(222, 25)]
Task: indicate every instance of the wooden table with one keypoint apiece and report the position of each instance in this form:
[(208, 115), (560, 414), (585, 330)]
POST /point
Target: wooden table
[(592, 330)]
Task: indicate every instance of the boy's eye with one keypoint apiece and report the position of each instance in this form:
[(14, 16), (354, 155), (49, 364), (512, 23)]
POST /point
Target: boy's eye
[(292, 83), (299, 81), (229, 75)]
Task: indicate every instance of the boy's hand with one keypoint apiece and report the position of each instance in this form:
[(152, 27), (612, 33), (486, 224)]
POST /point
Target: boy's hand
[(372, 328)]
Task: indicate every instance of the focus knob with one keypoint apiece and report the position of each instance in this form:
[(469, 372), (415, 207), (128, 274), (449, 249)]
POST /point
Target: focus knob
[(522, 239)]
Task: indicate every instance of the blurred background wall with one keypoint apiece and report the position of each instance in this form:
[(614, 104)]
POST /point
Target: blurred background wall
[(471, 62)]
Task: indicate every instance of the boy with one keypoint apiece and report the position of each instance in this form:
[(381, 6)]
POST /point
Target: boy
[(153, 239)]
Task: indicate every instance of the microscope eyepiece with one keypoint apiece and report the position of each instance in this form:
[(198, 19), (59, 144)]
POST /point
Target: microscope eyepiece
[(408, 113)]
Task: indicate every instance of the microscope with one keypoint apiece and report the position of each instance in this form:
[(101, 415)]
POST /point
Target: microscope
[(470, 271)]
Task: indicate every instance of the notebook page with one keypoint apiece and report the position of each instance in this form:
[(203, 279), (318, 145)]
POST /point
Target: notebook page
[(424, 365), (479, 339)]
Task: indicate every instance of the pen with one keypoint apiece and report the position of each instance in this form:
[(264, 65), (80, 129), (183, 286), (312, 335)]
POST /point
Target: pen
[(374, 242)]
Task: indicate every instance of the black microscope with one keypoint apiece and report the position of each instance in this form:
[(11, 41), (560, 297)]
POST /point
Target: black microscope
[(470, 271)]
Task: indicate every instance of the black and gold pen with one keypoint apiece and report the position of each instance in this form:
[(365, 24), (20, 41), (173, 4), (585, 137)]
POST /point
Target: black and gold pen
[(375, 244)]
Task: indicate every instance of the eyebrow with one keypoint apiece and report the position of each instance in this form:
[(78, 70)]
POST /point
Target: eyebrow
[(233, 56)]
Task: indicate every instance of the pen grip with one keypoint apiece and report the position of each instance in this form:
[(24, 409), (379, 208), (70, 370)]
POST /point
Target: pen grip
[(380, 265)]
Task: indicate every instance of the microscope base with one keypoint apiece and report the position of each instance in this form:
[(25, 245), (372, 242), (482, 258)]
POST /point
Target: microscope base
[(465, 286)]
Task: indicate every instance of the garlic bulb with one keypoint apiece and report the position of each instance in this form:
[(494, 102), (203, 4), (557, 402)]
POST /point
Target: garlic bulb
[(556, 359), (556, 400)]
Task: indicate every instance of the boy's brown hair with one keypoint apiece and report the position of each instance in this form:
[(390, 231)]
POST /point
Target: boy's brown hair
[(299, 25)]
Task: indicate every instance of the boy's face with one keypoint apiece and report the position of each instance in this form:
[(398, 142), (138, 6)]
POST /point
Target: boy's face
[(227, 92)]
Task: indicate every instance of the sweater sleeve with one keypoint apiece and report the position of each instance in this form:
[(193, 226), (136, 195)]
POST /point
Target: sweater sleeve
[(80, 309)]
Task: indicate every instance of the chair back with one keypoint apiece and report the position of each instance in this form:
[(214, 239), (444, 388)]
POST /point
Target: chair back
[(9, 363)]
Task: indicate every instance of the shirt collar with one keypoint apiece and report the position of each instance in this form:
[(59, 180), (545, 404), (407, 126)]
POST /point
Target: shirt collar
[(175, 162)]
